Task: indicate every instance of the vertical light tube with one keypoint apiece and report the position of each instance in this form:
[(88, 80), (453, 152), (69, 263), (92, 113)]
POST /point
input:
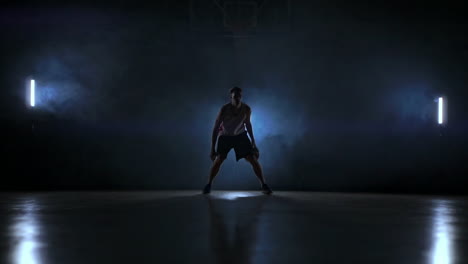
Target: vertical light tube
[(33, 93), (441, 110)]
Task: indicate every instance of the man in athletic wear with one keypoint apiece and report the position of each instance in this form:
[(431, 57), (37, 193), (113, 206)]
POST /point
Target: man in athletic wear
[(231, 123)]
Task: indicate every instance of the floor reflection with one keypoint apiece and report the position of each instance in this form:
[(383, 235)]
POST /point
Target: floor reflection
[(244, 217), (24, 232), (233, 195), (442, 249)]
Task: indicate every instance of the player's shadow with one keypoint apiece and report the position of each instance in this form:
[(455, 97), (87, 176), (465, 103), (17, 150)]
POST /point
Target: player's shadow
[(244, 218)]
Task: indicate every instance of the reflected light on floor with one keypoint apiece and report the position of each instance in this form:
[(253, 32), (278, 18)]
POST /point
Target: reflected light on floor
[(25, 231), (232, 195), (442, 234)]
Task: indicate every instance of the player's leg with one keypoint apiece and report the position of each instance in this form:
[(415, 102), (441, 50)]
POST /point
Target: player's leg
[(252, 159), (224, 146), (256, 167), (244, 149), (215, 167), (213, 172)]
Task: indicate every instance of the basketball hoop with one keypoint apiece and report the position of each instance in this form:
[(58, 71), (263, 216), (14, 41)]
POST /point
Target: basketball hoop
[(240, 18)]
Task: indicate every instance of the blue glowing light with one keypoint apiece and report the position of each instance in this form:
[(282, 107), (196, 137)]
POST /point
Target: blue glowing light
[(33, 93), (441, 110), (233, 195)]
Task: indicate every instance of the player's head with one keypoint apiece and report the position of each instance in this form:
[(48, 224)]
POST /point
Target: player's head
[(236, 94)]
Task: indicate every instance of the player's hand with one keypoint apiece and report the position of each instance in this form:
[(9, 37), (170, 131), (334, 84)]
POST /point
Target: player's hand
[(256, 152), (213, 155)]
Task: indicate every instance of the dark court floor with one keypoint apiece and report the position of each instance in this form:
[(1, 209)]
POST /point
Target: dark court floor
[(231, 227)]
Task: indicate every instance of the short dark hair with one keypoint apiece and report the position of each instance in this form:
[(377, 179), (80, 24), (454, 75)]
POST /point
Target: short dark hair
[(235, 89)]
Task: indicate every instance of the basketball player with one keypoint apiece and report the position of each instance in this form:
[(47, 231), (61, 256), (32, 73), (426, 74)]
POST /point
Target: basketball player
[(232, 126)]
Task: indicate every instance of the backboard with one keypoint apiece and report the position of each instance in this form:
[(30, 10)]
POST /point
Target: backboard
[(240, 18)]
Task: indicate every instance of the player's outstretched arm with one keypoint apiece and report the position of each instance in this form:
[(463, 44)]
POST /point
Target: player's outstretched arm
[(248, 125), (214, 135)]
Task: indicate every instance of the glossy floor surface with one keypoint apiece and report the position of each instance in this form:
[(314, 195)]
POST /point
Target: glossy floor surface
[(231, 227)]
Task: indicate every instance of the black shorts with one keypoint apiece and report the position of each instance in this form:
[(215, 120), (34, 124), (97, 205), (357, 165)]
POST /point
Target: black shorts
[(241, 144)]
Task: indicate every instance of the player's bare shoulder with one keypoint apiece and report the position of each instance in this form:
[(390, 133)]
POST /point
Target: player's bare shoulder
[(248, 110), (225, 106)]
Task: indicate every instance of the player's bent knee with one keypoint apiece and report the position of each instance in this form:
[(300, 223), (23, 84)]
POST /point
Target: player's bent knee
[(250, 158), (221, 158)]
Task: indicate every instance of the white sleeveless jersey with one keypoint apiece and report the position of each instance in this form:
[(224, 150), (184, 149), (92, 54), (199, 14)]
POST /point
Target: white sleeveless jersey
[(233, 119)]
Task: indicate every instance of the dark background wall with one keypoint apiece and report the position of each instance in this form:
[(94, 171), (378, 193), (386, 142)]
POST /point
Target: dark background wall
[(342, 95)]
